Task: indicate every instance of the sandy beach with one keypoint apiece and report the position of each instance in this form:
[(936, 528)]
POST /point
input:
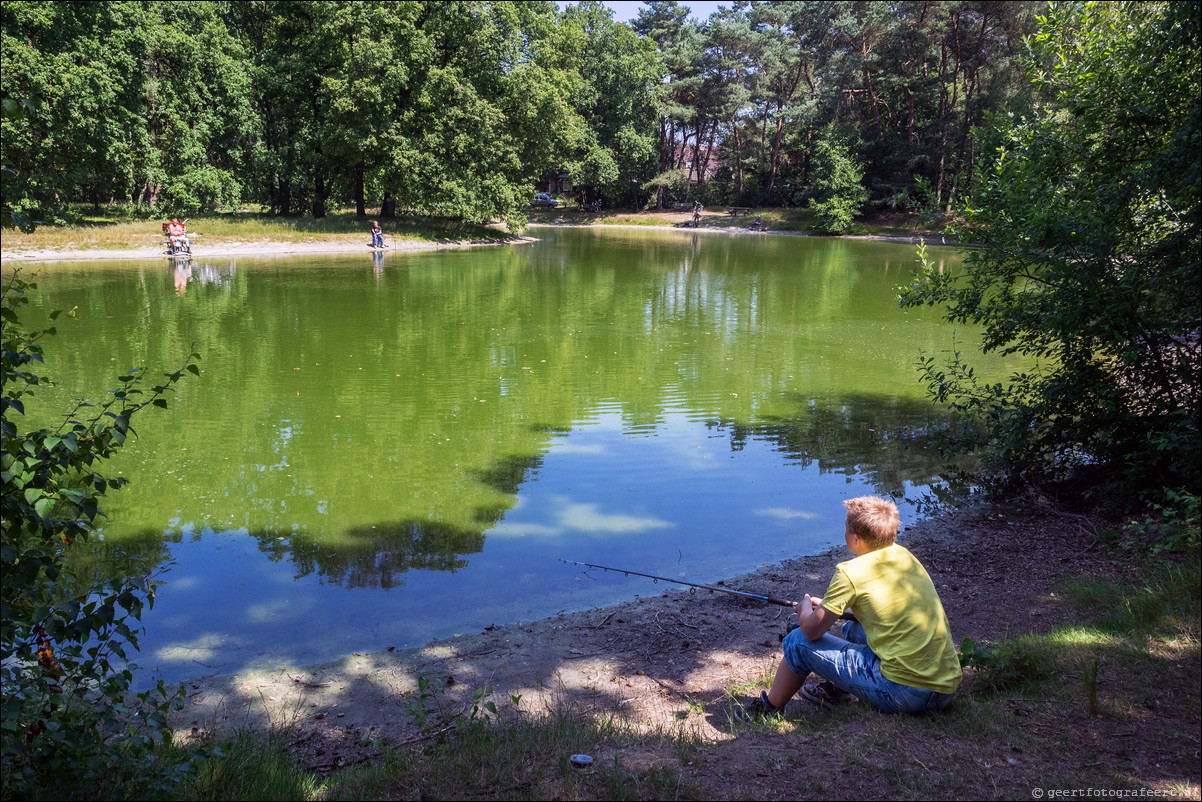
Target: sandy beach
[(262, 249)]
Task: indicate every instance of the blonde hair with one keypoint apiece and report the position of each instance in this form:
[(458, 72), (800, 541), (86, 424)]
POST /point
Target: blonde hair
[(874, 519)]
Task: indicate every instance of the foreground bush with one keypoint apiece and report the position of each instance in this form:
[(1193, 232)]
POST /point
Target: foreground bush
[(68, 725)]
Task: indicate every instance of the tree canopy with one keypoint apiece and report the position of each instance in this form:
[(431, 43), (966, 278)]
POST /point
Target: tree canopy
[(1087, 208), (463, 109)]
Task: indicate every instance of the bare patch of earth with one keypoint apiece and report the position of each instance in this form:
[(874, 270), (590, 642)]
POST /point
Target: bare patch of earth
[(670, 662)]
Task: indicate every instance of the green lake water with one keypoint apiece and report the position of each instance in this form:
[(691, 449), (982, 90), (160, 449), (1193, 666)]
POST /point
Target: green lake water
[(381, 450)]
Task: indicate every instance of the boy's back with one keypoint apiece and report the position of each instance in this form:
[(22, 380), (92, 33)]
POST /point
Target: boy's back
[(894, 599)]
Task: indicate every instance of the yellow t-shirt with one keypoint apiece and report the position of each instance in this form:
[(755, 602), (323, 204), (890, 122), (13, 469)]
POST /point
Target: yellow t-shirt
[(895, 600)]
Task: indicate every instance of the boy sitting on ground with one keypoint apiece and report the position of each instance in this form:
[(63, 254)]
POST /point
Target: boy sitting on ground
[(896, 653)]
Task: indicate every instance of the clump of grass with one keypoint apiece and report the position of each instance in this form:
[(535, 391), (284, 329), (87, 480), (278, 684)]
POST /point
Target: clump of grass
[(1130, 623), (1167, 600), (253, 766), (529, 759), (1011, 665)]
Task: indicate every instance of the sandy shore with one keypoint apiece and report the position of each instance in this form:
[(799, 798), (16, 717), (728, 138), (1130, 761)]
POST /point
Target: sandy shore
[(711, 228), (663, 662), (259, 249)]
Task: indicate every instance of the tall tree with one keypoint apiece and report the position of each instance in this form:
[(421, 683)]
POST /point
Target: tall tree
[(143, 101), (1088, 212), (618, 101), (680, 45), (200, 126)]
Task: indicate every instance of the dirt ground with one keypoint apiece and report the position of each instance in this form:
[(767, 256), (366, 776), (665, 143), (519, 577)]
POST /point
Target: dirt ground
[(669, 662)]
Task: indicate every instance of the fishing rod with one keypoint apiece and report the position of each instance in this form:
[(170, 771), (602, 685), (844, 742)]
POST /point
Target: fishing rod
[(756, 596)]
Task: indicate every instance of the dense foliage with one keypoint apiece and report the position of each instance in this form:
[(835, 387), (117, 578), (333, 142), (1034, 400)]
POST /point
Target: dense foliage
[(1088, 212), (68, 725), (463, 109), (755, 91)]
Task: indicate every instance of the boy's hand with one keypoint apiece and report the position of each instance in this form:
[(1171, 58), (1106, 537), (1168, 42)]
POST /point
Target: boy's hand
[(813, 617), (806, 607)]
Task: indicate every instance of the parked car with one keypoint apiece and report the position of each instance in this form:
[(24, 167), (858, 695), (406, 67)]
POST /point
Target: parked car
[(543, 199)]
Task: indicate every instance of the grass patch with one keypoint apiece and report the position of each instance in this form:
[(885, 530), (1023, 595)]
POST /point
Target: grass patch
[(254, 767), (526, 759), (776, 219), (1169, 601)]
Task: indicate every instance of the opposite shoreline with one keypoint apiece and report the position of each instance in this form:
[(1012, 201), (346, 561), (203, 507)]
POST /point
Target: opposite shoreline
[(353, 244), (260, 249)]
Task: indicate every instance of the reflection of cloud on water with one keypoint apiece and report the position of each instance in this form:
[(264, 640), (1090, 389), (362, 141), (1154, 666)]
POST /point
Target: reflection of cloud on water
[(180, 584), (266, 612), (785, 514), (568, 447), (587, 518), (507, 529), (568, 516), (202, 647)]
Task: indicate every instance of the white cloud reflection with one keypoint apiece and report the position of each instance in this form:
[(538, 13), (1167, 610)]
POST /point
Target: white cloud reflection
[(786, 513), (566, 516)]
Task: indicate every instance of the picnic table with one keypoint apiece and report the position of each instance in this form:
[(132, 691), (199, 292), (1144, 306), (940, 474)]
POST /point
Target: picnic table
[(681, 207), (735, 211)]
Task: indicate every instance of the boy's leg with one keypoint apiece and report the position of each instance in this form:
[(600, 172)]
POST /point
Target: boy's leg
[(853, 632), (785, 684), (849, 665), (854, 667)]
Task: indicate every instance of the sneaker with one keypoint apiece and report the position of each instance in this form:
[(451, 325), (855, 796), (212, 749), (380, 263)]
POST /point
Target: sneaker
[(825, 694), (756, 709)]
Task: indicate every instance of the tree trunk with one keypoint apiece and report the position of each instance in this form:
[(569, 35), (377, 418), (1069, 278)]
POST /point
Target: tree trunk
[(738, 158), (150, 193), (665, 147), (909, 96), (283, 198), (780, 123), (947, 113), (360, 206), (388, 210), (709, 150), (319, 194), (876, 114), (319, 180)]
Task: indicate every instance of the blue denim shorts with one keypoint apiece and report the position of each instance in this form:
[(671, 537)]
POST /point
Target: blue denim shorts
[(851, 665)]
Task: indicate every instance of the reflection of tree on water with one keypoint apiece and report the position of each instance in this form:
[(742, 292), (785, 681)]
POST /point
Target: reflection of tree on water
[(837, 434), (379, 555), (882, 440), (376, 556), (138, 555), (840, 434)]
